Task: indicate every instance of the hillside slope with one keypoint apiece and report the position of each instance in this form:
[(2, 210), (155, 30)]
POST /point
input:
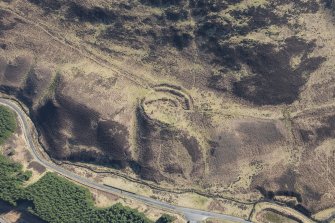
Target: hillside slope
[(230, 97)]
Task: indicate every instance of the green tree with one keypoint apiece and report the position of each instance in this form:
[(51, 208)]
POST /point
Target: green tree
[(7, 123)]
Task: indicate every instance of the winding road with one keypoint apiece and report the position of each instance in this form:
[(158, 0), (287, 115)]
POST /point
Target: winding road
[(192, 215)]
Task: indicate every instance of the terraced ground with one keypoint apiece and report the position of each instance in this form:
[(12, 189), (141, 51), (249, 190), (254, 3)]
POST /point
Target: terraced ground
[(232, 99)]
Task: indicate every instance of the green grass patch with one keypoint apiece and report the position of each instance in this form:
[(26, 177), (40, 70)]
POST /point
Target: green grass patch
[(276, 218)]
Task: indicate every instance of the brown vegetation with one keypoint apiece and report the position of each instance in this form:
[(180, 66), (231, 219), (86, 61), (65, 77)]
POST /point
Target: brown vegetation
[(231, 99)]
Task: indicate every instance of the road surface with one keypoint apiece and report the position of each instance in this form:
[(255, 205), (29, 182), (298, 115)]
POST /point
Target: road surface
[(192, 215)]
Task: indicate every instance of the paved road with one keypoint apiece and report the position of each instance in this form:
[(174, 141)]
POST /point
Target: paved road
[(193, 215)]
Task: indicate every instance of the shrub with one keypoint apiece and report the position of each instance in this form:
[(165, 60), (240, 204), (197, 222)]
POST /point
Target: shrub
[(165, 218)]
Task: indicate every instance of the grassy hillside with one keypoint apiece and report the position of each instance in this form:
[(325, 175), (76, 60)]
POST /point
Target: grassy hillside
[(229, 98)]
